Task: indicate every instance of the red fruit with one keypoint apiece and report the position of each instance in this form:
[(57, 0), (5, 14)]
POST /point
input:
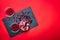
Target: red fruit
[(14, 27), (9, 11)]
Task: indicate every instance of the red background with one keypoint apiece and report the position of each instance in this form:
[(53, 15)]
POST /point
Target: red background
[(47, 14)]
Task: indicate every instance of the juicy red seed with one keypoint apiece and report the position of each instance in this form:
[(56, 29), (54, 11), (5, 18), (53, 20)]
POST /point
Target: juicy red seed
[(15, 27)]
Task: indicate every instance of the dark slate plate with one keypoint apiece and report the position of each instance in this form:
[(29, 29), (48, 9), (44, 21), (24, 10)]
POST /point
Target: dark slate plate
[(9, 20)]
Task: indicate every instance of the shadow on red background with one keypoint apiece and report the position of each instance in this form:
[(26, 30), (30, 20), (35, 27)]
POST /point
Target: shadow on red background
[(47, 14)]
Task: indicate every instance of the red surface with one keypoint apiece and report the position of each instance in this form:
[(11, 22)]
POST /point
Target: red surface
[(47, 14)]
